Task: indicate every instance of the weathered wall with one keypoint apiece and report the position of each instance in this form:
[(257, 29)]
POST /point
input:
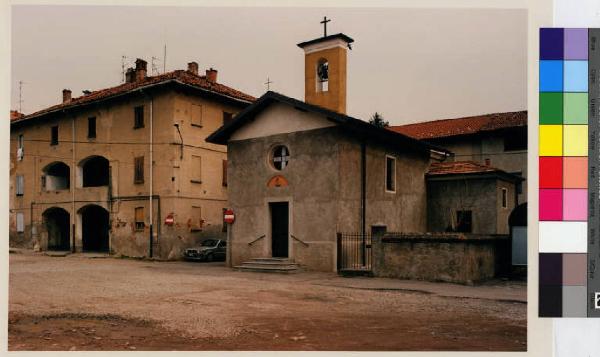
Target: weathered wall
[(118, 142), (481, 195), (448, 257)]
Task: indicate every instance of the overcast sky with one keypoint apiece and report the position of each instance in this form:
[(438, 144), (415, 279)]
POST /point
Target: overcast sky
[(408, 64)]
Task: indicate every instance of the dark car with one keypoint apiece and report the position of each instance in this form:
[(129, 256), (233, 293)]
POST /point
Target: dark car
[(208, 251)]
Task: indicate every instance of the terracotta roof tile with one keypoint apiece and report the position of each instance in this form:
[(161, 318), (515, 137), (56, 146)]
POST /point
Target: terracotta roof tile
[(462, 126), (14, 115), (178, 75), (459, 167)]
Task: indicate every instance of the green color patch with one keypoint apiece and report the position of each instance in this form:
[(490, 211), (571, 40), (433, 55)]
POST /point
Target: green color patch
[(551, 108), (576, 108)]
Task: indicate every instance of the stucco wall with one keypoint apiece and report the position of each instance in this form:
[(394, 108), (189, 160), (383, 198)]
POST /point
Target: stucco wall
[(118, 142)]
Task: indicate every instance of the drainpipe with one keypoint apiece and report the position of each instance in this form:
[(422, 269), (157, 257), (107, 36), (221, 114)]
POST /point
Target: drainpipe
[(72, 184), (363, 194), (151, 177)]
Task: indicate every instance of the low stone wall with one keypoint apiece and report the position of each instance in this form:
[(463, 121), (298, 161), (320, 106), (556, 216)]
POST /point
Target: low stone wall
[(449, 257)]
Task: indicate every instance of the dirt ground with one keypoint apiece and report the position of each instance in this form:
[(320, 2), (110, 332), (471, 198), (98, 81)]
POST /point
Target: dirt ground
[(79, 303)]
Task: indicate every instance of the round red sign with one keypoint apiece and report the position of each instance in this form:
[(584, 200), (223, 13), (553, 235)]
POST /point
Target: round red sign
[(228, 216), (169, 220)]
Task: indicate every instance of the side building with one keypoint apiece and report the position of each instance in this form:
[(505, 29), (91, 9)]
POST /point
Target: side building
[(124, 170)]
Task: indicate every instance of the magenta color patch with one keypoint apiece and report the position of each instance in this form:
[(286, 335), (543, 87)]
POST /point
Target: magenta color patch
[(551, 204), (575, 204)]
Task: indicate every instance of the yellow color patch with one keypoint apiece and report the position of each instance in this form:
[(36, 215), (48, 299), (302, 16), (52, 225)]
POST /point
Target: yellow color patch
[(575, 140), (551, 140)]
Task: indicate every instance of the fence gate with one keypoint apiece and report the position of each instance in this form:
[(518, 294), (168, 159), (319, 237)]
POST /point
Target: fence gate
[(354, 253)]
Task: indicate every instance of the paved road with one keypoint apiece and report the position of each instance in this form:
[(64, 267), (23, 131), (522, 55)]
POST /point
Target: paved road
[(207, 306)]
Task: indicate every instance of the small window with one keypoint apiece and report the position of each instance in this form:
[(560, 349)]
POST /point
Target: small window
[(20, 222), (224, 173), (464, 221), (139, 219), (54, 135), (196, 169), (20, 141), (280, 157), (227, 117), (196, 115), (139, 117), (91, 127), (139, 170), (20, 183), (515, 141), (322, 75), (390, 174), (197, 221), (504, 198)]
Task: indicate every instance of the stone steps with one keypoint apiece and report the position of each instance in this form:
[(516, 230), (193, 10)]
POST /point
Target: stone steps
[(269, 265)]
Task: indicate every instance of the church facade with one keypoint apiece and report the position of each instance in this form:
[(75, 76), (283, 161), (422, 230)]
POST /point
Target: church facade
[(301, 172)]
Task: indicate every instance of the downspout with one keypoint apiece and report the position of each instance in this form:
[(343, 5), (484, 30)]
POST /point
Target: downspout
[(151, 177), (72, 184), (363, 195)]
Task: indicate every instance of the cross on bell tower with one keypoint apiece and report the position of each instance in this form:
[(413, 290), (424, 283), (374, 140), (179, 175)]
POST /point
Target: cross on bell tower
[(324, 22)]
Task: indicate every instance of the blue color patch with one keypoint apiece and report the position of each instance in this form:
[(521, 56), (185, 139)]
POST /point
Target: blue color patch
[(551, 76), (576, 76), (551, 43)]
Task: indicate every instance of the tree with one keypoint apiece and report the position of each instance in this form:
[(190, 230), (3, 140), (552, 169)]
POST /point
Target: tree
[(377, 120)]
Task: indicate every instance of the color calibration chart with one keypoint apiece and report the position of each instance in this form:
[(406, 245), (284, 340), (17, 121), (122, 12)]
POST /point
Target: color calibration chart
[(569, 244)]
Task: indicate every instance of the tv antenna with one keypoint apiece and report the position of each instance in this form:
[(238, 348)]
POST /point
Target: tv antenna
[(21, 96)]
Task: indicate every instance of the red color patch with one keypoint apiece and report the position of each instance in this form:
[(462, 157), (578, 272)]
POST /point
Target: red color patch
[(551, 172)]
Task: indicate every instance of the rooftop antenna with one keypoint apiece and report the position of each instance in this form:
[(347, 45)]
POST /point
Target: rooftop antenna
[(165, 59), (123, 58), (21, 96)]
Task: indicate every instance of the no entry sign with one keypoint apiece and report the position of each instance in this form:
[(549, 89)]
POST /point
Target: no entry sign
[(228, 216)]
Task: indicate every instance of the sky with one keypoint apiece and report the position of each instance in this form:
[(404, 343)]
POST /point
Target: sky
[(410, 65)]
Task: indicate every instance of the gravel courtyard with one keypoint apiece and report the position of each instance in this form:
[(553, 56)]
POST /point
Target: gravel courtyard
[(82, 303)]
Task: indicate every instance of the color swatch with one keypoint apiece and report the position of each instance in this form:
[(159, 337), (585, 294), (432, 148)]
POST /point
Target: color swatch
[(564, 107)]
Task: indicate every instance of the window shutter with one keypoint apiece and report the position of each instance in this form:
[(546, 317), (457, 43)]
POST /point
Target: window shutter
[(20, 222), (139, 218), (196, 169), (196, 115), (225, 173), (196, 218), (20, 185), (139, 170)]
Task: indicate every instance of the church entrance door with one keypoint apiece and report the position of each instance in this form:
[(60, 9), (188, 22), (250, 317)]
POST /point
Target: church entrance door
[(279, 229)]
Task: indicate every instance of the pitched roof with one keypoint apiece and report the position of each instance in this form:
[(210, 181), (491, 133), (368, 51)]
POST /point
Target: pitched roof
[(353, 125), (340, 36), (178, 76), (437, 169), (462, 126)]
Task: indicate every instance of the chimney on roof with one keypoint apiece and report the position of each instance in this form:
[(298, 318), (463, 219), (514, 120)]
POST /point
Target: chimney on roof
[(66, 95), (130, 75), (193, 68), (211, 75), (140, 69)]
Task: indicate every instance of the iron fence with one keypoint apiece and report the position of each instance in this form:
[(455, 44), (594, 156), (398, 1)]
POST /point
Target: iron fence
[(354, 252)]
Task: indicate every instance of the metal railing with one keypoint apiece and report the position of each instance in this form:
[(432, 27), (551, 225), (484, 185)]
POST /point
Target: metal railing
[(257, 239), (354, 252)]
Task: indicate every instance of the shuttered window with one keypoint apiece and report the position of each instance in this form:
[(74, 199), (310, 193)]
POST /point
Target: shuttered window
[(225, 173), (196, 218), (20, 185), (196, 115), (139, 219), (20, 222), (196, 169), (138, 113), (138, 176)]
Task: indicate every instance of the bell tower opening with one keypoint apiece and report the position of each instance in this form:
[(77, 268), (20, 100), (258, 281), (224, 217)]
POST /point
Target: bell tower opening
[(325, 70)]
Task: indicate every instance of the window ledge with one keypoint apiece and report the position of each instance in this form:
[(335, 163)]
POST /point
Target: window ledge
[(195, 181), (197, 125)]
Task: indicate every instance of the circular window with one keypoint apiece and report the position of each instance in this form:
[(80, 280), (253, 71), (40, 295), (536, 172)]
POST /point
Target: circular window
[(280, 157)]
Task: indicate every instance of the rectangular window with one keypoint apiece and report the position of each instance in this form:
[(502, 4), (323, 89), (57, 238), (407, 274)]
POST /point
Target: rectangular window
[(139, 219), (197, 221), (515, 141), (139, 170), (91, 127), (227, 117), (138, 117), (464, 221), (54, 135), (20, 141), (504, 198), (196, 115), (196, 169), (390, 174), (224, 173), (20, 185), (20, 222)]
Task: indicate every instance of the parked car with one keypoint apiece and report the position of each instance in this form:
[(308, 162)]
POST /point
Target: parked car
[(208, 251)]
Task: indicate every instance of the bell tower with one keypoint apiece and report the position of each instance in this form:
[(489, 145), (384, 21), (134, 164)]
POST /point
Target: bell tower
[(325, 70)]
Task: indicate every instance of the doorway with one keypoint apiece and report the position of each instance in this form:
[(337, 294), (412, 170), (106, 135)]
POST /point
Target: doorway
[(279, 229), (94, 229), (57, 222)]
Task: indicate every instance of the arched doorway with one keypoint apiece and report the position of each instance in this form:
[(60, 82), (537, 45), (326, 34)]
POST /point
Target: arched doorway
[(57, 222), (94, 171), (94, 229), (56, 176)]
